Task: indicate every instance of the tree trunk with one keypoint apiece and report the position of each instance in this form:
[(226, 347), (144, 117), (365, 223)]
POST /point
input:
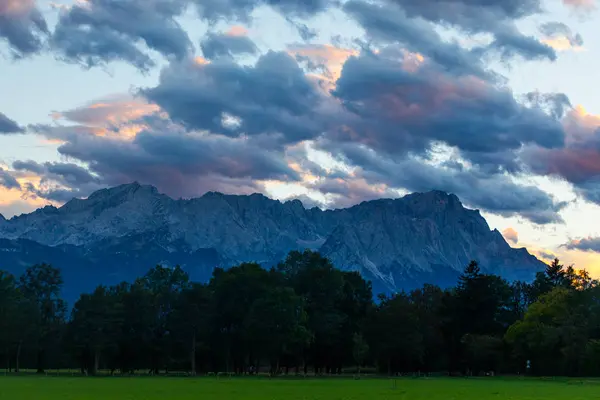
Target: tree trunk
[(40, 361), (193, 355), (96, 362), (18, 357)]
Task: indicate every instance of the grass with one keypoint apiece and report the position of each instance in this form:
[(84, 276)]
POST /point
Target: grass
[(150, 388)]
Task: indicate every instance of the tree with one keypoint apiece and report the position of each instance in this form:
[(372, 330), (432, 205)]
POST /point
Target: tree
[(394, 335), (234, 291), (164, 285), (191, 320), (8, 313), (41, 285), (428, 302), (556, 274), (360, 350), (314, 278), (96, 322), (276, 325), (483, 352), (553, 333)]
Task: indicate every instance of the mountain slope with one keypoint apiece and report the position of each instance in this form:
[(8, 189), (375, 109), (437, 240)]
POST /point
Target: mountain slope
[(123, 231)]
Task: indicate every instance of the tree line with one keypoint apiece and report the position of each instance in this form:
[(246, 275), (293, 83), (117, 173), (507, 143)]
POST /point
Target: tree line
[(303, 316)]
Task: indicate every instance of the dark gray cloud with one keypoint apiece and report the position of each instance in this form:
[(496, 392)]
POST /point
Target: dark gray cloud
[(272, 98), (545, 255), (216, 10), (69, 173), (349, 191), (485, 16), (101, 31), (399, 111), (178, 162), (8, 126), (22, 26), (392, 25), (495, 193), (29, 165), (555, 104), (509, 43), (216, 45), (471, 14), (555, 30), (8, 181), (591, 244), (58, 181)]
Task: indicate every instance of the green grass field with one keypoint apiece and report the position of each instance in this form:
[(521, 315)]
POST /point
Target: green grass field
[(139, 388)]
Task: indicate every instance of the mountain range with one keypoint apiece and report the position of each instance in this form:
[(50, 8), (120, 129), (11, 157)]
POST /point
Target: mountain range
[(119, 233)]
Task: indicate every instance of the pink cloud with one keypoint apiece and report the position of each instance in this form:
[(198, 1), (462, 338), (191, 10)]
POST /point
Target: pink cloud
[(16, 8), (580, 4), (579, 161)]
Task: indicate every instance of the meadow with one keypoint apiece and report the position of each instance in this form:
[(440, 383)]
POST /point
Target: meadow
[(150, 388)]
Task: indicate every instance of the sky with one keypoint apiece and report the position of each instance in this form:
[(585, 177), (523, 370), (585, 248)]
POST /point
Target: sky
[(332, 102)]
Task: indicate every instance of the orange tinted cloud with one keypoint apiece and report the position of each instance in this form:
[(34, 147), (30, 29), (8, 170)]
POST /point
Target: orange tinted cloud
[(237, 30), (561, 43), (511, 235), (201, 61), (331, 58), (116, 116), (15, 202), (113, 110)]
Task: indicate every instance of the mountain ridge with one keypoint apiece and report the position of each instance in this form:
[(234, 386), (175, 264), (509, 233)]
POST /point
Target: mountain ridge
[(410, 240)]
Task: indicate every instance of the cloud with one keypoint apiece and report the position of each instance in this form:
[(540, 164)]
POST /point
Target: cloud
[(8, 181), (496, 193), (23, 26), (325, 62), (560, 37), (591, 244), (391, 25), (349, 191), (511, 235), (58, 182), (8, 126), (578, 162), (111, 110), (218, 10), (580, 4), (272, 99), (397, 111), (509, 43), (97, 32), (483, 16), (178, 161), (545, 255), (555, 104), (229, 44)]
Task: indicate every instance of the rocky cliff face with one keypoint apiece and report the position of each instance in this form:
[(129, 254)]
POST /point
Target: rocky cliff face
[(401, 243)]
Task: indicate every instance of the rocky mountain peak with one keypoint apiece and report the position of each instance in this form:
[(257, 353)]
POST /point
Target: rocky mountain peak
[(417, 238)]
